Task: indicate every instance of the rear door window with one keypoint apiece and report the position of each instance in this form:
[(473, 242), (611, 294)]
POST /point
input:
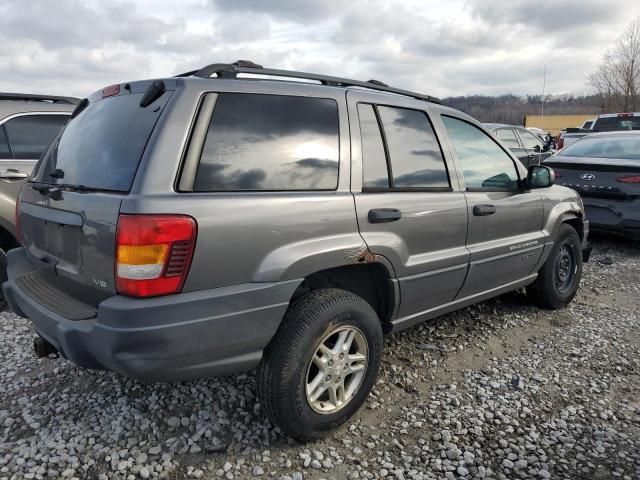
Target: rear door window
[(374, 167), (5, 153), (102, 146), (30, 135), (270, 142), (416, 158)]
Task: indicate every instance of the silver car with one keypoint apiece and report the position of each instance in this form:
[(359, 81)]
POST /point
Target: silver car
[(214, 223), (28, 124)]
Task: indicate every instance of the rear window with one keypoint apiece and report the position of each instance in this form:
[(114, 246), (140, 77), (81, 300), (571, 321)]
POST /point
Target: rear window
[(594, 147), (614, 124), (270, 142), (102, 147)]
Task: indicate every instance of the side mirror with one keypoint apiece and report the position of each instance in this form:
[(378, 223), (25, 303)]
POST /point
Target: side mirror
[(540, 176), (537, 149)]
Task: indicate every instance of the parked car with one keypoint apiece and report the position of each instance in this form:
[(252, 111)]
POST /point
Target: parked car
[(529, 148), (608, 122), (587, 124), (615, 122), (605, 169), (246, 222), (28, 124)]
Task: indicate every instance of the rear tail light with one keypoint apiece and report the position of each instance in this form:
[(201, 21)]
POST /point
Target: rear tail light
[(630, 179), (153, 253)]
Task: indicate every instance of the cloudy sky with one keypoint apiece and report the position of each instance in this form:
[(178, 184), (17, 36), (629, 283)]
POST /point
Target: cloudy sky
[(454, 47)]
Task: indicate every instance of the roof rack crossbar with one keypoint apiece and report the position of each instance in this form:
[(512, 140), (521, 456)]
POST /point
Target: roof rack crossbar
[(39, 98), (231, 70)]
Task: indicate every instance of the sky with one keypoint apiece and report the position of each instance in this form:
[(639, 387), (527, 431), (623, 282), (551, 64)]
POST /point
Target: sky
[(443, 48)]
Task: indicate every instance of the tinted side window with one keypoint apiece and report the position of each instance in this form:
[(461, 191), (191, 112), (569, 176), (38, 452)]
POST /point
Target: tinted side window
[(416, 158), (374, 160), (508, 137), (484, 163), (30, 135), (270, 142), (529, 140), (4, 145)]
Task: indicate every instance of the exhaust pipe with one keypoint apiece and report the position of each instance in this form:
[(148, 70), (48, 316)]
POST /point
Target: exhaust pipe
[(42, 348)]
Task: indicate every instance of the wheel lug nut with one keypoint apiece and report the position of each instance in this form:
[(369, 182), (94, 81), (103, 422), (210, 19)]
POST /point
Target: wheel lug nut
[(328, 378), (330, 363)]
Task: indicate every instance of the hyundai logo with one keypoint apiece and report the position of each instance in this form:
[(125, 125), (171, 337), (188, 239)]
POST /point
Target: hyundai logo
[(587, 176)]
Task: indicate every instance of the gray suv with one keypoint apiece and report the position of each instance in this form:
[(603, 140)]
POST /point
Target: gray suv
[(28, 124), (216, 222)]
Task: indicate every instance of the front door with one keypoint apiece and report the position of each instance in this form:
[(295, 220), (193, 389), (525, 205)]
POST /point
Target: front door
[(505, 236), (409, 209)]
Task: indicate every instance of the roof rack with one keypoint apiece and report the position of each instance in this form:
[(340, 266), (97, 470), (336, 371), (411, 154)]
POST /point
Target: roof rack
[(231, 70), (39, 98)]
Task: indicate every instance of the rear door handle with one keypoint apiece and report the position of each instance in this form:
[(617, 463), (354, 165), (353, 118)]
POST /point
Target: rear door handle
[(13, 174), (483, 210), (384, 215)]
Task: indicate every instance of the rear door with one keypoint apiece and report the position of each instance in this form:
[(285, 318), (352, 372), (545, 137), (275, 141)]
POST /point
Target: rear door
[(69, 212), (409, 206), (505, 235)]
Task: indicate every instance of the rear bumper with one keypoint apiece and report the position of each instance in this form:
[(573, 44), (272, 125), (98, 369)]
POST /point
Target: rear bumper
[(173, 338), (614, 216)]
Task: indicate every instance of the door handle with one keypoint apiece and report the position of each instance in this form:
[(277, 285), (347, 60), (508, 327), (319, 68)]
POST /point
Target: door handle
[(384, 215), (483, 210), (13, 174)]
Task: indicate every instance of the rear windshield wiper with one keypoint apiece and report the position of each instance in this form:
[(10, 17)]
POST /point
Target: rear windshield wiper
[(49, 188)]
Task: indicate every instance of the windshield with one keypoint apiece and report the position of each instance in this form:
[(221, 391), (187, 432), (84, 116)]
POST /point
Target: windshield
[(102, 147), (614, 124), (627, 148)]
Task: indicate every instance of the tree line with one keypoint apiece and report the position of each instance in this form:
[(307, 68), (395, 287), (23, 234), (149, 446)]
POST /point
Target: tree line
[(512, 109), (616, 82)]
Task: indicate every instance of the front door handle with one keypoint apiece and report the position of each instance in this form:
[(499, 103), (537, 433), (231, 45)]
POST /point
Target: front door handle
[(384, 215), (483, 210), (13, 174)]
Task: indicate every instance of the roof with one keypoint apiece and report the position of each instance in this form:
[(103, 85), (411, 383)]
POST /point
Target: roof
[(31, 97), (495, 126), (245, 67)]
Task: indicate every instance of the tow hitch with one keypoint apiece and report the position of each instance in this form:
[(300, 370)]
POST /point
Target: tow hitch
[(42, 348)]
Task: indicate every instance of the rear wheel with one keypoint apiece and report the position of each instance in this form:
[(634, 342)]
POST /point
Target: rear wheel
[(322, 363), (559, 277)]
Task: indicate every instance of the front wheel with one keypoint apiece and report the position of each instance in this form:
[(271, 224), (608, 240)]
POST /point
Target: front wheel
[(559, 277), (321, 365)]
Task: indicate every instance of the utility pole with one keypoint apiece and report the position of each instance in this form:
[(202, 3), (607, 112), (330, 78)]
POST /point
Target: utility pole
[(544, 84)]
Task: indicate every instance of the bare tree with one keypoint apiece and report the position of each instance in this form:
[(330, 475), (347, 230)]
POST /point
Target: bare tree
[(617, 78)]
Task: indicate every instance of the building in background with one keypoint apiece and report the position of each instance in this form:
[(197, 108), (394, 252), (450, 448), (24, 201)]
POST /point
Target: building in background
[(554, 123)]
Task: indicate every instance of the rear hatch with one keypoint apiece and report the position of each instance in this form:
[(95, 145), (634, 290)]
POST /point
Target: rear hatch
[(68, 212)]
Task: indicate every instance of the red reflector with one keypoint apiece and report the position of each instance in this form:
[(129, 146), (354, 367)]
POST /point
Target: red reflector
[(110, 91), (153, 253), (630, 179)]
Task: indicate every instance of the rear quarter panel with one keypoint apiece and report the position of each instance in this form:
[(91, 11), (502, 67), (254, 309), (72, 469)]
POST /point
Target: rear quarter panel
[(248, 236)]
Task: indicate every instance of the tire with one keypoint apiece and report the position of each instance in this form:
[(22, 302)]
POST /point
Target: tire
[(3, 277), (551, 289), (313, 322)]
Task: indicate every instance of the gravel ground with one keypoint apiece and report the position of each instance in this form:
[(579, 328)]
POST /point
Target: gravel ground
[(500, 390)]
